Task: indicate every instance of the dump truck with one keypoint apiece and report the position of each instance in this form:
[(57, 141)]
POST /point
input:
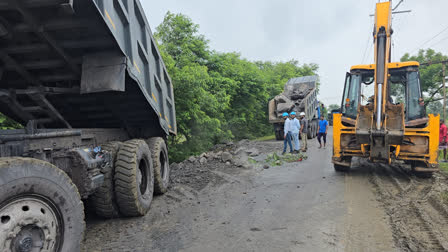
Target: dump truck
[(300, 95), (383, 116), (86, 80), (330, 115)]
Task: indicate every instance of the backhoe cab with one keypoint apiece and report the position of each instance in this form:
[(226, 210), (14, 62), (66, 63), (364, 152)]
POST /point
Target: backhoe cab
[(383, 115)]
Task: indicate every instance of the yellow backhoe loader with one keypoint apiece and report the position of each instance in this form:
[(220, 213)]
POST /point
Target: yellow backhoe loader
[(383, 116)]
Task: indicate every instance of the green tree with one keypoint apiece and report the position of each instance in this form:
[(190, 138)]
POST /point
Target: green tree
[(333, 106), (430, 75), (435, 107), (218, 95), (8, 123)]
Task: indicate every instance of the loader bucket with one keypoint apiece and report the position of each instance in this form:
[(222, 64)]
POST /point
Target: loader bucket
[(364, 124), (395, 123)]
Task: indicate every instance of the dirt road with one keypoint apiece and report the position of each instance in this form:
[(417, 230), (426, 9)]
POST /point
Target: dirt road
[(300, 206)]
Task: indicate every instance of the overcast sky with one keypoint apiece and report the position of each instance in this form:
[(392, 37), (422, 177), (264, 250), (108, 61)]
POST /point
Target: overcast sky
[(333, 34)]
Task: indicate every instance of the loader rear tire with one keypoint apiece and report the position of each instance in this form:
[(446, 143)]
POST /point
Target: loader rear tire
[(134, 178), (39, 207), (159, 155), (341, 168), (104, 200)]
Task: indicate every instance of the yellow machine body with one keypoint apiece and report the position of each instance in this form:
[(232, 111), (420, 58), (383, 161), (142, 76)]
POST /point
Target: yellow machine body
[(384, 129)]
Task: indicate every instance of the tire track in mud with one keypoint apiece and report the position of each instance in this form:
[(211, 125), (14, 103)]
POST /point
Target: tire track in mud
[(418, 219)]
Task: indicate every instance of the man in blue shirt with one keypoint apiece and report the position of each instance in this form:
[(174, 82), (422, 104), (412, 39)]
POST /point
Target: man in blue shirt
[(322, 131)]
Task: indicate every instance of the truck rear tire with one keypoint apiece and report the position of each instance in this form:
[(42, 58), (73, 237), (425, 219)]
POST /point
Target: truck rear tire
[(159, 155), (278, 135), (40, 207), (134, 178), (104, 200), (310, 131)]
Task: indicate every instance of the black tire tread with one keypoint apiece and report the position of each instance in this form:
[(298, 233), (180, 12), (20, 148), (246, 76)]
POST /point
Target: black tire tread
[(156, 146), (103, 200), (63, 180), (125, 178), (341, 168)]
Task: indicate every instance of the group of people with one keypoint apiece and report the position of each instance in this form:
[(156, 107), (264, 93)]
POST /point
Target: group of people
[(294, 127)]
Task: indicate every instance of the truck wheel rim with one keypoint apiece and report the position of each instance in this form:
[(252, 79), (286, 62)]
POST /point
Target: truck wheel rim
[(29, 224), (143, 177)]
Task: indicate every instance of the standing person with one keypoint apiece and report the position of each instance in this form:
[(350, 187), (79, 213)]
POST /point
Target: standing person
[(295, 129), (304, 131), (443, 138), (287, 130), (322, 129)]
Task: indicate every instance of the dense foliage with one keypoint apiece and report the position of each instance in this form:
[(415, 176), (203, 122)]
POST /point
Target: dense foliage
[(430, 75), (219, 96)]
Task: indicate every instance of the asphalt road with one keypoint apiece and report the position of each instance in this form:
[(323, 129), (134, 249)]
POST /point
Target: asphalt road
[(304, 206)]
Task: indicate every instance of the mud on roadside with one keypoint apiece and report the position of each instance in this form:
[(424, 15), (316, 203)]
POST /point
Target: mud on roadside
[(417, 207), (191, 182)]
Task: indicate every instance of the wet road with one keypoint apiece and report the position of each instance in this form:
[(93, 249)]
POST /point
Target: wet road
[(302, 206)]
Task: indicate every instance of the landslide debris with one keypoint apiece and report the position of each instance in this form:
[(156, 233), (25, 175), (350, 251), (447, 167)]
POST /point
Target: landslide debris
[(197, 171)]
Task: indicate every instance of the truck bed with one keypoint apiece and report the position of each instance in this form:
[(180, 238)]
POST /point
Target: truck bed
[(83, 64)]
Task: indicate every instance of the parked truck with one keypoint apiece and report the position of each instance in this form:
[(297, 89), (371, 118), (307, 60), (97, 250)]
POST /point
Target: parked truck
[(300, 95), (87, 82), (330, 115)]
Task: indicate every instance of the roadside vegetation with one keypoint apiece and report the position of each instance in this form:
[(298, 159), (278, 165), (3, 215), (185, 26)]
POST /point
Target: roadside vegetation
[(219, 95)]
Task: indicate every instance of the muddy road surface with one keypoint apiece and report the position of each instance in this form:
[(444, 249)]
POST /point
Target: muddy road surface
[(232, 199)]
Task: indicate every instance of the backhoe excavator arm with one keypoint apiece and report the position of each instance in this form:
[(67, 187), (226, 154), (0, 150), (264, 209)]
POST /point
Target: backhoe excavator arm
[(382, 33)]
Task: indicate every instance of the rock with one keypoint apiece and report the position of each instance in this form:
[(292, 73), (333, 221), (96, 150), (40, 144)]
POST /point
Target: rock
[(191, 159), (174, 166), (226, 156), (203, 155), (218, 155), (281, 99), (266, 166), (240, 150), (247, 166), (203, 160), (230, 143), (243, 142), (238, 163), (253, 152), (228, 163), (284, 107)]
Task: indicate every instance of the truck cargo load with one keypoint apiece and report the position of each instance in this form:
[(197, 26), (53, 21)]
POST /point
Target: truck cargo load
[(300, 95)]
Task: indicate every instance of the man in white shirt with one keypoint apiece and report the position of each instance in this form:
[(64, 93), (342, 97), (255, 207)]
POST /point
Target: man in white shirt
[(295, 129), (287, 130)]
